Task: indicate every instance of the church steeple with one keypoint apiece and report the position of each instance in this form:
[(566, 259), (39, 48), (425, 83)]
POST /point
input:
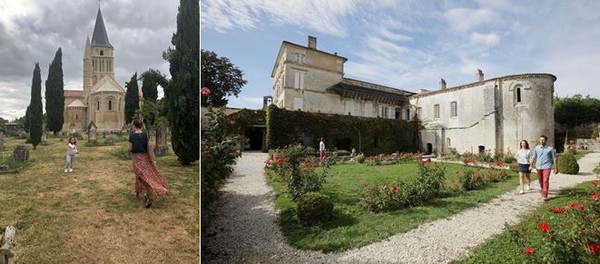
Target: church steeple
[(100, 38)]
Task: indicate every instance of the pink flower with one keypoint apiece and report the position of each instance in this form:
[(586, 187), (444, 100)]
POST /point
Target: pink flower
[(594, 196), (577, 206), (205, 91), (500, 164), (595, 183)]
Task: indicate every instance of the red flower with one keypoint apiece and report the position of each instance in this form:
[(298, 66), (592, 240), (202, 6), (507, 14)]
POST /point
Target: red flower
[(592, 248), (595, 183), (394, 188), (528, 250), (557, 210), (577, 206), (205, 91), (499, 163), (537, 216), (423, 163), (544, 227), (594, 197)]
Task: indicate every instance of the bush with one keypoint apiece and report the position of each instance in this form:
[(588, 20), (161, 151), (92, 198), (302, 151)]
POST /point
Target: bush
[(360, 158), (567, 163), (314, 208), (381, 196)]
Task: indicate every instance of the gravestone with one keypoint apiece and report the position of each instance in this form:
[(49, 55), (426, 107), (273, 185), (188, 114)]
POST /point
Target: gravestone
[(110, 139), (1, 141), (44, 138), (92, 133), (21, 153), (161, 148)]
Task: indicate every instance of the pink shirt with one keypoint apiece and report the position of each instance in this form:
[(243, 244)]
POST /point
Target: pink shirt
[(71, 149)]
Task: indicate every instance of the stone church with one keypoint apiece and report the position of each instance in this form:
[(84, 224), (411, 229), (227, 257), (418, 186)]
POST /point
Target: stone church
[(490, 115), (101, 103)]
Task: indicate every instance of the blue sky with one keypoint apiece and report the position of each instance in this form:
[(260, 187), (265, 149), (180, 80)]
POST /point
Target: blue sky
[(410, 45)]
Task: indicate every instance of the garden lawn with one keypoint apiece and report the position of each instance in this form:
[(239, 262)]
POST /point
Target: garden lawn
[(353, 226), (91, 215)]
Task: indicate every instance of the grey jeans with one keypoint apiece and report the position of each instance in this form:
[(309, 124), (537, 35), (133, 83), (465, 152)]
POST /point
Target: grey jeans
[(70, 161)]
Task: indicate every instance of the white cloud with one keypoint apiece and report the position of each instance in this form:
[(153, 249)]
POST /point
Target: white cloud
[(490, 39), (464, 19)]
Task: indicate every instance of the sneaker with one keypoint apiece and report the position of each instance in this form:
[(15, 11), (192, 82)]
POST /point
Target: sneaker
[(66, 170), (70, 170), (527, 188), (520, 191)]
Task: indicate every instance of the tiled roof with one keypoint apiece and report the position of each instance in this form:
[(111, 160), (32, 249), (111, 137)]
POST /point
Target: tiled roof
[(100, 38)]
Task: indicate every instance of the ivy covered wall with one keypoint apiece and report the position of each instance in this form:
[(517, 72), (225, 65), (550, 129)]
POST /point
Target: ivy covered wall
[(369, 135)]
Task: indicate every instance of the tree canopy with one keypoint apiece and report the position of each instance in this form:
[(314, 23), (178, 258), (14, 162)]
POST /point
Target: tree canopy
[(576, 110), (55, 94), (221, 77), (151, 79), (182, 94), (132, 98), (35, 111)]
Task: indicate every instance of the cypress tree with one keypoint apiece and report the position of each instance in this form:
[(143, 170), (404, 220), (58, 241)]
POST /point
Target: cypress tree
[(35, 108), (132, 98), (55, 95), (182, 94), (151, 79)]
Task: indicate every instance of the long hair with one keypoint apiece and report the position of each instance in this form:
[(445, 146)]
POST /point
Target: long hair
[(74, 140), (526, 144)]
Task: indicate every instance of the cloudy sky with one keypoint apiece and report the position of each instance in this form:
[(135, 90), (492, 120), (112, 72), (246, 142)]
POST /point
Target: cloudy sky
[(32, 31), (412, 44)]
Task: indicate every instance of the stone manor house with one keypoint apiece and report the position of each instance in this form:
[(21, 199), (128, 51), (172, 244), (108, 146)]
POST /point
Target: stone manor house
[(485, 115), (102, 101)]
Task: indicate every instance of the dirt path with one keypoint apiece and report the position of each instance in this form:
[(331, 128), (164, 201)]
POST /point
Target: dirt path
[(246, 230)]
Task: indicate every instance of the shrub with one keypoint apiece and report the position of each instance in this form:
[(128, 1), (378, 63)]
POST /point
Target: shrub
[(567, 163), (360, 158), (385, 196), (314, 208), (429, 185)]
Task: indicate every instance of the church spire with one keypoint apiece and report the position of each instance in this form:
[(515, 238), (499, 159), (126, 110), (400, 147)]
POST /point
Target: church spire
[(100, 38)]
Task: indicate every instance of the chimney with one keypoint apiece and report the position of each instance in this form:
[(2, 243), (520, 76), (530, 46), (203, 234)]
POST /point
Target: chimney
[(479, 75), (442, 84), (312, 42), (267, 101)]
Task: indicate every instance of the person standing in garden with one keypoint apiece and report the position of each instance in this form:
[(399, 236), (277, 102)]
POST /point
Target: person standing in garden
[(148, 180), (543, 157), (523, 156), (322, 150)]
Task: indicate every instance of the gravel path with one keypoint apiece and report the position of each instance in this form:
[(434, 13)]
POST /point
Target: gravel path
[(246, 231)]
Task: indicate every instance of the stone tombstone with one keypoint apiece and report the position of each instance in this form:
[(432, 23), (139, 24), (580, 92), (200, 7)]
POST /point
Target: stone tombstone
[(161, 147), (44, 138), (1, 141), (21, 153), (110, 139), (92, 133)]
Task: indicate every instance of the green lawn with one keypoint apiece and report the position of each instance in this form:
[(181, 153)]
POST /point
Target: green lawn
[(352, 226)]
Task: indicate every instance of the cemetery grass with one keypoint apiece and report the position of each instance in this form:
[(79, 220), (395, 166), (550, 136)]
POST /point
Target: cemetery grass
[(353, 226), (91, 215)]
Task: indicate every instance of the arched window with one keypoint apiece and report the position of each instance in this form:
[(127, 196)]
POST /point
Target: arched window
[(101, 53), (109, 105), (98, 105), (518, 94), (75, 117)]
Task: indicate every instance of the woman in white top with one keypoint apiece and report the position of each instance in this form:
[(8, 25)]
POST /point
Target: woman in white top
[(523, 155)]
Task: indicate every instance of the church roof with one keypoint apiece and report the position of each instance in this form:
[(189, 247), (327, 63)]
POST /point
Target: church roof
[(354, 88), (76, 103), (100, 38), (73, 93), (108, 85)]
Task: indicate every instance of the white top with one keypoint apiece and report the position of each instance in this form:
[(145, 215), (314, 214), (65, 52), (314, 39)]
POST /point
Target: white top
[(523, 156), (321, 145)]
